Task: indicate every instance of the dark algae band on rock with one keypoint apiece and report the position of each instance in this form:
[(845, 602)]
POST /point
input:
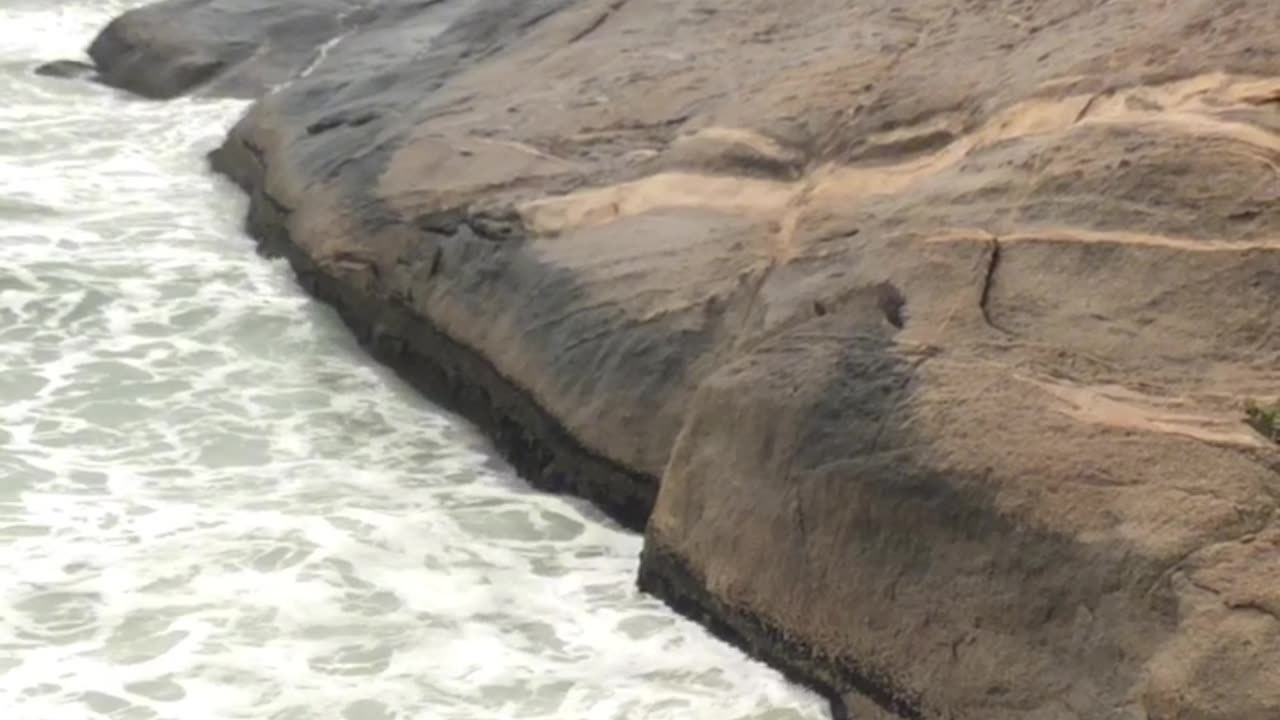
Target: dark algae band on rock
[(915, 335), (461, 379)]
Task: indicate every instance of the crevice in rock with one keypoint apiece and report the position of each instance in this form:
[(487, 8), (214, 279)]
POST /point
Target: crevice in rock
[(600, 20), (1251, 606), (891, 302), (323, 126), (340, 121), (901, 149), (257, 153), (988, 282), (1088, 106), (275, 203), (498, 227), (1211, 590), (537, 19), (437, 262), (442, 222)]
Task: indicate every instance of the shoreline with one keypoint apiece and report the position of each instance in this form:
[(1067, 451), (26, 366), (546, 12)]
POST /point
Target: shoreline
[(460, 380), (543, 454), (916, 374)]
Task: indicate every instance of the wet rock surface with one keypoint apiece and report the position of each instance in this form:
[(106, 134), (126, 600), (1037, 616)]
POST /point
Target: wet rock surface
[(235, 48), (68, 69), (919, 335)]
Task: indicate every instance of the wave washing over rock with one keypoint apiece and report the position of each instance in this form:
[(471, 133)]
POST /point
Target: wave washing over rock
[(214, 506), (916, 334)]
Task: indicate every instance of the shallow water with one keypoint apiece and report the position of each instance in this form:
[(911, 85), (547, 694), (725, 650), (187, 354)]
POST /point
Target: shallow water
[(213, 505)]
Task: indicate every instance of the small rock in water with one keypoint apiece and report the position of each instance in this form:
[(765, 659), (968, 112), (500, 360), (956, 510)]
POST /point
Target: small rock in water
[(72, 69)]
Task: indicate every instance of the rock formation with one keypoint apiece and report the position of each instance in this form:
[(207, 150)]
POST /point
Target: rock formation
[(918, 333)]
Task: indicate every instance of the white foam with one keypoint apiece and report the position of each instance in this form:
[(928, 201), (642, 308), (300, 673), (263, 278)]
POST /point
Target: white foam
[(212, 505)]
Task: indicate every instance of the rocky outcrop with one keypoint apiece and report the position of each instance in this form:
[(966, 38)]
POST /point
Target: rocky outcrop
[(235, 48), (918, 333)]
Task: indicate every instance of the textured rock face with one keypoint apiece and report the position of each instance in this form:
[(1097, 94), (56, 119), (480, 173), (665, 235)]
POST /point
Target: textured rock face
[(238, 48), (919, 332)]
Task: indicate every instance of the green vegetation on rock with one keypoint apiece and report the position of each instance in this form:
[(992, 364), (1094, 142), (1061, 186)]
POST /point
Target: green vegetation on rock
[(1265, 418)]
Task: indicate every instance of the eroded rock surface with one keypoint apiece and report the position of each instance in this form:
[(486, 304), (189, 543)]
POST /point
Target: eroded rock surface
[(918, 332)]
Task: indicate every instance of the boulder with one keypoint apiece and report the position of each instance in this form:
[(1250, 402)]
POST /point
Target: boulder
[(918, 335), (231, 48)]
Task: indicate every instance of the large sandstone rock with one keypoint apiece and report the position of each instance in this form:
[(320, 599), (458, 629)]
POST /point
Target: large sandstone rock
[(918, 332)]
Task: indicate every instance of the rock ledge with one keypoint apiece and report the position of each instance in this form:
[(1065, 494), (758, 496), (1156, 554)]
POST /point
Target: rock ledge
[(917, 338)]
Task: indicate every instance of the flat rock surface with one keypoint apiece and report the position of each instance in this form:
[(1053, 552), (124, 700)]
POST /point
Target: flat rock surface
[(934, 321)]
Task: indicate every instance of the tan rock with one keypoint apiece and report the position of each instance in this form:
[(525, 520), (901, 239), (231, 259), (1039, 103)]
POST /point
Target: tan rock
[(929, 324)]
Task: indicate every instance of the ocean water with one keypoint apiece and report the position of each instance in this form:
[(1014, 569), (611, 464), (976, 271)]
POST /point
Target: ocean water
[(214, 506)]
